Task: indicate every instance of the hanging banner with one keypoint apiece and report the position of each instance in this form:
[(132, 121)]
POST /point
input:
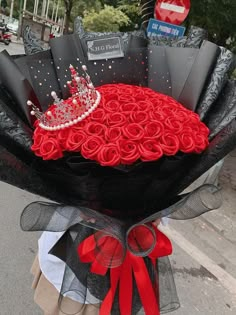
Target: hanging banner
[(172, 11)]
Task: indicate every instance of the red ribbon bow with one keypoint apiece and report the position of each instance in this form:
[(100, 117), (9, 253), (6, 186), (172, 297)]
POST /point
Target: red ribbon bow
[(123, 274)]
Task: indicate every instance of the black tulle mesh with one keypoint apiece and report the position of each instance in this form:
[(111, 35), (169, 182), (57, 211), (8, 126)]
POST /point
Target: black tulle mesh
[(91, 288)]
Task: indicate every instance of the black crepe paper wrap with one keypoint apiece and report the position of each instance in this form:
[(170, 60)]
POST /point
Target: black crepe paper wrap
[(86, 196)]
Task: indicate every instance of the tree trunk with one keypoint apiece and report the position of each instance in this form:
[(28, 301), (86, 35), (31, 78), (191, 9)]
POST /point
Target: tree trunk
[(68, 9)]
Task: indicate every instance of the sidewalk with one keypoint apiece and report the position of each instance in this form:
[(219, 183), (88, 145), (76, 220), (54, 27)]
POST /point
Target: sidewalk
[(209, 240), (17, 41)]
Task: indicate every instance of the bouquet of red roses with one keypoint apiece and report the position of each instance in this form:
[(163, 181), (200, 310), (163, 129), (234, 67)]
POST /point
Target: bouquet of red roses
[(114, 151)]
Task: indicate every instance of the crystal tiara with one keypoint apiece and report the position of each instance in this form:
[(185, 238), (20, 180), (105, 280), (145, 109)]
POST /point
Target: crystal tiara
[(65, 113)]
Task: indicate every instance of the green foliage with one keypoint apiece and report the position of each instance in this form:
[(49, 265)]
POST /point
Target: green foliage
[(133, 11), (217, 17), (234, 74), (4, 4), (81, 8), (107, 19)]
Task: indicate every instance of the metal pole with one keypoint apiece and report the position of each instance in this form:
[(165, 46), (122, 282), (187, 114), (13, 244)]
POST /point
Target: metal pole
[(24, 6), (20, 21), (48, 4), (36, 3), (12, 8), (63, 24), (36, 7), (53, 10), (43, 8), (57, 11)]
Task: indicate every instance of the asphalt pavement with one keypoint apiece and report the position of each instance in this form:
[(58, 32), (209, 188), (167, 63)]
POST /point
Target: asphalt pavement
[(204, 258)]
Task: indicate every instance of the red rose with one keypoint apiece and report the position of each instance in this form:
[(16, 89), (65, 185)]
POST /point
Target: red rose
[(182, 115), (203, 129), (129, 107), (157, 103), (126, 98), (166, 110), (128, 151), (39, 135), (173, 125), (133, 131), (50, 149), (95, 128), (109, 155), (139, 96), (169, 144), (98, 115), (113, 134), (153, 129), (201, 142), (91, 147), (38, 138), (75, 140), (139, 117), (116, 119), (62, 136), (109, 96), (157, 115), (186, 142), (108, 89), (145, 105), (150, 150), (112, 106)]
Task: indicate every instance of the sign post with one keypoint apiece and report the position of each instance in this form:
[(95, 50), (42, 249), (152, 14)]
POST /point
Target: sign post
[(172, 11)]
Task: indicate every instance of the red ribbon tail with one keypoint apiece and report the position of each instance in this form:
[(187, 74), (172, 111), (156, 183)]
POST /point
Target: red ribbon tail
[(126, 287), (107, 303), (145, 287)]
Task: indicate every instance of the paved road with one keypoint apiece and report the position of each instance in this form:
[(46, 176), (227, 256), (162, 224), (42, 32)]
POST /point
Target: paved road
[(203, 261)]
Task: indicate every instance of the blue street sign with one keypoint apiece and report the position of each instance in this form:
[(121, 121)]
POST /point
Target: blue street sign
[(156, 27)]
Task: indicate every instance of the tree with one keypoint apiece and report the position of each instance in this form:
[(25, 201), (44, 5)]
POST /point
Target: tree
[(217, 17), (68, 7), (133, 10), (107, 19)]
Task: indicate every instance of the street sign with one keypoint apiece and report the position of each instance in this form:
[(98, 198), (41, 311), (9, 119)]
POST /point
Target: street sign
[(172, 11), (156, 27)]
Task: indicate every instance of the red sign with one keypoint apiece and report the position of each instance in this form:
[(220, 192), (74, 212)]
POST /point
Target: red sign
[(172, 11)]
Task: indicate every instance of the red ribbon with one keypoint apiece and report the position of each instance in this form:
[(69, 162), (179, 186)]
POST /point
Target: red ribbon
[(122, 276)]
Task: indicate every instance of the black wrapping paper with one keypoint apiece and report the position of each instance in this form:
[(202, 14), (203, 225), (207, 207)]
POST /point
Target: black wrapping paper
[(224, 109), (40, 71), (219, 76), (181, 72), (17, 85)]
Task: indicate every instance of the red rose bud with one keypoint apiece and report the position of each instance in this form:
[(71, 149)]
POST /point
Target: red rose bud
[(75, 140), (133, 132), (50, 149), (153, 129), (90, 149), (109, 155), (116, 119), (95, 128), (113, 134), (150, 150), (128, 151), (169, 143)]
